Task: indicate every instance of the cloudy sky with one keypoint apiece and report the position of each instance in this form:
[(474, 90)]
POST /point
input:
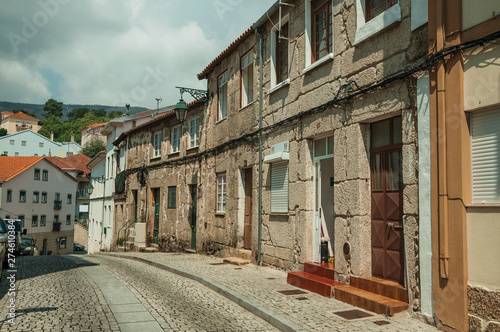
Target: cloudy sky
[(114, 52)]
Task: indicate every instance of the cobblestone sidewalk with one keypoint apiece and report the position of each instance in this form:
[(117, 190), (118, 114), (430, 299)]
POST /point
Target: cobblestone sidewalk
[(260, 285)]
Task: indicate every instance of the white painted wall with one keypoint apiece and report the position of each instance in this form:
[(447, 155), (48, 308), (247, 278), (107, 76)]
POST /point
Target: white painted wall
[(475, 12), (96, 209), (424, 191), (33, 147), (58, 182)]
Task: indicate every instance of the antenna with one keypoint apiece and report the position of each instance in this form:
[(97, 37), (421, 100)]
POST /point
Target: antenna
[(128, 108), (158, 102)]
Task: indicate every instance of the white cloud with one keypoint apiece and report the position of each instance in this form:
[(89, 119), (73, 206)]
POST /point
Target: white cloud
[(20, 83)]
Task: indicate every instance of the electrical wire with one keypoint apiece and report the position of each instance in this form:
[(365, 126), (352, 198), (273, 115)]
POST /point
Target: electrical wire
[(336, 101)]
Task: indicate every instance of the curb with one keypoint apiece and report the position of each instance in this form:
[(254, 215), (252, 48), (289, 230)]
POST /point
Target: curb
[(255, 308)]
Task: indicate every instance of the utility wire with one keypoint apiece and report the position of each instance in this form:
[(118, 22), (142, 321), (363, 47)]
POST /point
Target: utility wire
[(336, 101)]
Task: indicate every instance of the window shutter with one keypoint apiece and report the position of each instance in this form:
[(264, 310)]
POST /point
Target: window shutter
[(279, 187), (485, 152)]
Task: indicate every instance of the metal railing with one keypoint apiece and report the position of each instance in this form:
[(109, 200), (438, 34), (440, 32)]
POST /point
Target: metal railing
[(56, 227), (57, 205)]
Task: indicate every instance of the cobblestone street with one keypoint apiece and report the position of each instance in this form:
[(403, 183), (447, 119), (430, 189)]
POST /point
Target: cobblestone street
[(112, 293)]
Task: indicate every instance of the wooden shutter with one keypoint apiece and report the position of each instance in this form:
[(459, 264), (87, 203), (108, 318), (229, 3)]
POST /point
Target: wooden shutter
[(485, 152), (279, 187)]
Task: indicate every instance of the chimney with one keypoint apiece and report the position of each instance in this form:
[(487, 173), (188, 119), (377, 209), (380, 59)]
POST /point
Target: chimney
[(128, 109), (51, 135), (72, 140)]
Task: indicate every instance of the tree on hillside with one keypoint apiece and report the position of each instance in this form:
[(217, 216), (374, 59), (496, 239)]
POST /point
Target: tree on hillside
[(3, 132), (53, 108), (93, 147), (77, 113), (44, 132), (115, 114), (53, 125), (99, 113)]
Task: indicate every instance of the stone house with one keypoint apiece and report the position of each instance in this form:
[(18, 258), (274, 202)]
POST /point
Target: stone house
[(340, 101), (165, 180)]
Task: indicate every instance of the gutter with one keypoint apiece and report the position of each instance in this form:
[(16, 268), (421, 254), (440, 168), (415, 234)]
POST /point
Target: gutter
[(259, 232)]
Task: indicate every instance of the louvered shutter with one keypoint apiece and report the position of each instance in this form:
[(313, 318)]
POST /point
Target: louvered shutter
[(486, 156), (279, 187)]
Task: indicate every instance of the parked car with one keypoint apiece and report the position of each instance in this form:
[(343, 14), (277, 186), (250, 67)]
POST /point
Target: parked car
[(3, 245), (18, 234), (27, 246), (78, 247)]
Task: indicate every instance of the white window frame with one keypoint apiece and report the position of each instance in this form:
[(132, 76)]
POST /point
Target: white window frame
[(279, 187), (310, 64), (377, 24), (247, 76), (175, 140), (222, 93), (274, 35), (194, 132), (485, 153), (157, 137), (221, 192), (12, 142)]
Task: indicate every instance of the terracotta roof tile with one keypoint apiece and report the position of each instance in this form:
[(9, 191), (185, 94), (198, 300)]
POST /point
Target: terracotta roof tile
[(22, 116), (225, 53), (95, 125), (13, 166), (78, 162)]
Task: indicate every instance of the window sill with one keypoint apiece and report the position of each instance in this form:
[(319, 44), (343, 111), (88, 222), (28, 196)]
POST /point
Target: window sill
[(318, 63), (378, 24), (485, 205), (279, 86), (155, 159), (173, 154), (279, 214), (247, 105), (222, 120), (193, 148), (220, 214)]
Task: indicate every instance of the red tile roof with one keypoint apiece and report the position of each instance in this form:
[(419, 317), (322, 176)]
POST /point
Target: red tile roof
[(21, 116), (13, 166), (225, 53), (95, 125), (78, 162)]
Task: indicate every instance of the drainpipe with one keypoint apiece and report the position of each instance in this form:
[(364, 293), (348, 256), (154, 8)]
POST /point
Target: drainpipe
[(442, 151), (103, 205), (259, 215)]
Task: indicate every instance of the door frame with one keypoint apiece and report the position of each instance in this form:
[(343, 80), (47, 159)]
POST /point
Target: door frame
[(247, 228)]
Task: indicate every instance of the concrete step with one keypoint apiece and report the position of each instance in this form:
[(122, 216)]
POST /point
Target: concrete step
[(313, 283), (370, 301)]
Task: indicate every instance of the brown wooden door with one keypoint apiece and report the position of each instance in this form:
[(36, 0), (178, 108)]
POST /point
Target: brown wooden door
[(387, 212), (248, 210)]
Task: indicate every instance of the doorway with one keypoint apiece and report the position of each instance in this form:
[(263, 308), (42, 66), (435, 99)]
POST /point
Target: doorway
[(156, 224), (324, 215), (193, 190), (247, 232), (387, 200)]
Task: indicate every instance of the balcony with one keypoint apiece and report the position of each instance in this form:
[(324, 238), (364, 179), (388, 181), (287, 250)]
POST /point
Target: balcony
[(82, 193), (56, 227), (57, 205)]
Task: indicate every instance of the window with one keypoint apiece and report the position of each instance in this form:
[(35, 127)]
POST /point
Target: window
[(321, 29), (282, 54), (56, 219), (43, 220), (45, 175), (221, 193), (68, 219), (323, 147), (485, 156), (62, 243), (23, 143), (9, 195), (44, 197), (34, 221), (176, 139), (246, 70), (40, 144), (374, 16), (22, 196), (194, 132), (22, 220), (57, 197), (12, 142), (172, 193), (6, 153), (222, 93), (70, 198), (36, 197), (279, 187), (376, 7), (157, 144), (37, 174), (16, 154)]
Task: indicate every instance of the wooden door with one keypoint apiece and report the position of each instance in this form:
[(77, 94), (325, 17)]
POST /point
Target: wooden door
[(387, 208), (248, 210)]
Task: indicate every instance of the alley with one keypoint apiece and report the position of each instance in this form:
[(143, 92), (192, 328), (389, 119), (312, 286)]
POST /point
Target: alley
[(82, 293)]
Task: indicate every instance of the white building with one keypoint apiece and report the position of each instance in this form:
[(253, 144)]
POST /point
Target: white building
[(29, 143), (42, 195)]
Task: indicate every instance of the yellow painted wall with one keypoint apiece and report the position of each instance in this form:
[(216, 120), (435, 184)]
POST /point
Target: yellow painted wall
[(483, 237), (482, 77), (475, 12)]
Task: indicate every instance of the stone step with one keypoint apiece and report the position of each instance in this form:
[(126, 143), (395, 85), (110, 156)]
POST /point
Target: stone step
[(316, 284), (382, 287), (244, 254), (326, 270), (236, 261), (369, 301)]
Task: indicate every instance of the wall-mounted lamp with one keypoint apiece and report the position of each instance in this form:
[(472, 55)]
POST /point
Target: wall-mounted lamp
[(181, 108), (90, 189)]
